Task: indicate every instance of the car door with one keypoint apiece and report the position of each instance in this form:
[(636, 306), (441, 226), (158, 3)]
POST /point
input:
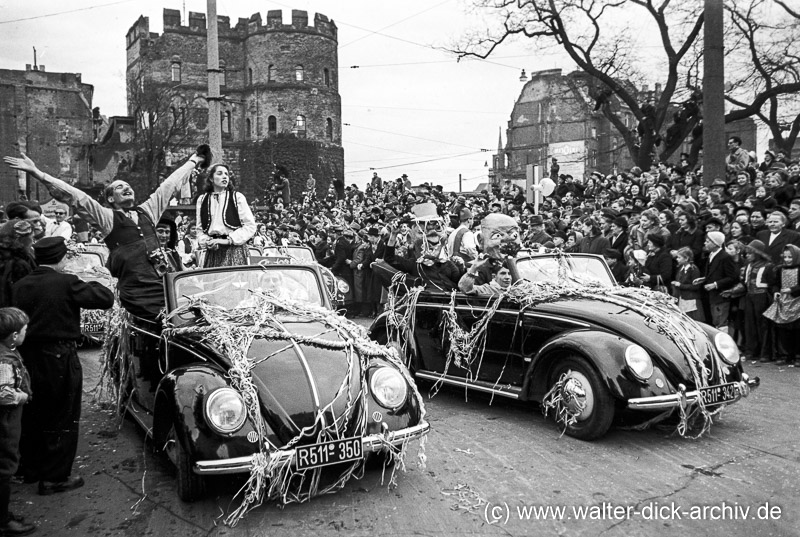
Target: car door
[(428, 332), (498, 360)]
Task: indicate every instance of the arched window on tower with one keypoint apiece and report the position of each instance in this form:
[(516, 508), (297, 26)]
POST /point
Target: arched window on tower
[(299, 74), (272, 125), (176, 71), (329, 129), (248, 128), (300, 126), (327, 76), (223, 73), (272, 73), (250, 75), (226, 123)]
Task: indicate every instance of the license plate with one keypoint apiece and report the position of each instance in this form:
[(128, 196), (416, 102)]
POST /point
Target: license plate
[(326, 453), (715, 395), (94, 328)]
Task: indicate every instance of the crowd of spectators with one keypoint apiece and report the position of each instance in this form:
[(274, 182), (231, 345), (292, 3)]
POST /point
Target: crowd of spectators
[(729, 252)]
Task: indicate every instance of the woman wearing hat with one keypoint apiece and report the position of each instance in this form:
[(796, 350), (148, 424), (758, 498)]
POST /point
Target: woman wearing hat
[(658, 266), (226, 222)]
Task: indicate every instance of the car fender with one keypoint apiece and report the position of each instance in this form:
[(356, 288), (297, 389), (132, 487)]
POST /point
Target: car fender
[(180, 400), (604, 350), (378, 331)]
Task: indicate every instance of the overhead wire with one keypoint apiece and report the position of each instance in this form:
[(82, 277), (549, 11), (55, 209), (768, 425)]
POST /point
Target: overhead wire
[(393, 24), (414, 163), (66, 12), (409, 136)]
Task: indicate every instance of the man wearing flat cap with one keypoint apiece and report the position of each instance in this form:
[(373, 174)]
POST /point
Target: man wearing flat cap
[(53, 301)]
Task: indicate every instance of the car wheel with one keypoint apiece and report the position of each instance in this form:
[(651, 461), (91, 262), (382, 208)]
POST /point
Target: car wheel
[(583, 387), (191, 487)]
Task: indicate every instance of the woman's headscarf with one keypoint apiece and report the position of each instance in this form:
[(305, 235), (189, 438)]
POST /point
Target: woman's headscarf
[(795, 254)]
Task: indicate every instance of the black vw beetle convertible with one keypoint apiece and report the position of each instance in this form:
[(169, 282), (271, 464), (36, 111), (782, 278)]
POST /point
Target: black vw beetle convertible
[(566, 336), (255, 374)]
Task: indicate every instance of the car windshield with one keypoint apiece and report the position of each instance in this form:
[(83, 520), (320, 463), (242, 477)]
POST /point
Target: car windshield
[(83, 262), (231, 289), (302, 255), (570, 269)]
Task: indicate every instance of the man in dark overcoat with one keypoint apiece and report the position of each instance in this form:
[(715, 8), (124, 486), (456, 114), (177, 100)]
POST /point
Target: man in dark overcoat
[(53, 301), (720, 276), (776, 237)]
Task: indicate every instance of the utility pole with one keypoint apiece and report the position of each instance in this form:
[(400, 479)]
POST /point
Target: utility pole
[(214, 106), (459, 183), (713, 94)]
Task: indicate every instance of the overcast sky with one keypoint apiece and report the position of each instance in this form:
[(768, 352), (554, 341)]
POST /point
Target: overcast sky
[(409, 107)]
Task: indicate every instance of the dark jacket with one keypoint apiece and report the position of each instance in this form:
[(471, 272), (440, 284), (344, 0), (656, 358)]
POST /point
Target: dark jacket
[(443, 276), (775, 250), (620, 242), (722, 271), (594, 245), (691, 239), (53, 301), (659, 264), (685, 276)]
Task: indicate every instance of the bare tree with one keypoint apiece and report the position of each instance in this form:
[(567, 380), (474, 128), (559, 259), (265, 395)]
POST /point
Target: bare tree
[(765, 67), (162, 125), (589, 31)]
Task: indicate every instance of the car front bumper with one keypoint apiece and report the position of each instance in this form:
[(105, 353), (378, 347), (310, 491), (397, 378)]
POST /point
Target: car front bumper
[(665, 402), (373, 443)]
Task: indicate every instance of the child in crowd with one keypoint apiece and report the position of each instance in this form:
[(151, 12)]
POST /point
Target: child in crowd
[(14, 392), (688, 293)]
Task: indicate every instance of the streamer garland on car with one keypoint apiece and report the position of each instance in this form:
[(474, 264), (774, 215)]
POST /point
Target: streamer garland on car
[(466, 348), (233, 331)]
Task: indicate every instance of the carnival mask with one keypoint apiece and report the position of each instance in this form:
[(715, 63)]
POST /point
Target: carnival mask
[(500, 236)]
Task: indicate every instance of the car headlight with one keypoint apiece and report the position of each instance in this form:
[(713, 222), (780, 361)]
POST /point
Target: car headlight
[(225, 411), (727, 348), (639, 362), (342, 286), (388, 387)]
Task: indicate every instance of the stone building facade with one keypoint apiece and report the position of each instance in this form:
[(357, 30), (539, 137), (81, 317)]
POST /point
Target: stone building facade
[(279, 84), (49, 117), (554, 116)]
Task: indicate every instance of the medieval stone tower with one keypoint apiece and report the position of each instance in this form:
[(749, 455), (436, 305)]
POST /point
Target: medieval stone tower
[(279, 83)]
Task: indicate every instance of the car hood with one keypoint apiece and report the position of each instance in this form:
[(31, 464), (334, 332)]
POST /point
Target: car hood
[(627, 318), (303, 386)]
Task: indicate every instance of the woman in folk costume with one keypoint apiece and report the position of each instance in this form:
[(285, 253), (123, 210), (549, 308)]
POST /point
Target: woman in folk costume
[(226, 221)]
